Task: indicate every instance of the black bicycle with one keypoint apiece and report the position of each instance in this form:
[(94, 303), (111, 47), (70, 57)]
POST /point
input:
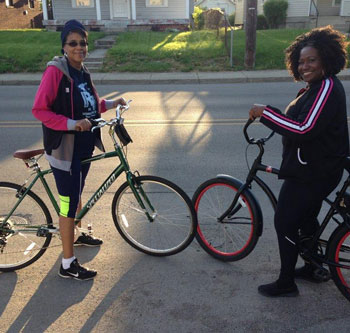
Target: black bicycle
[(230, 219)]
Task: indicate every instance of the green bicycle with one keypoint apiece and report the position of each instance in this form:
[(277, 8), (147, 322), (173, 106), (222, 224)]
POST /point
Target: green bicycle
[(152, 214)]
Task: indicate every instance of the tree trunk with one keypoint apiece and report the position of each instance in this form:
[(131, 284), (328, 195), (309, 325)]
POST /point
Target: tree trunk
[(250, 31)]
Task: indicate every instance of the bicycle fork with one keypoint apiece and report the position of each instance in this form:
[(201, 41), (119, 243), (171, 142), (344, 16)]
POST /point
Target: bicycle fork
[(234, 207), (142, 199)]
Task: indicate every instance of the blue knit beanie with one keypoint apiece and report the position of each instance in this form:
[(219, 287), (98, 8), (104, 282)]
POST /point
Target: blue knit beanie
[(70, 26)]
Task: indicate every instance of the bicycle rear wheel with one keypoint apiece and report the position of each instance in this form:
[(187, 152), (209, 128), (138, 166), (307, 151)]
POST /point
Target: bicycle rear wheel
[(235, 237), (174, 218), (339, 252), (19, 244)]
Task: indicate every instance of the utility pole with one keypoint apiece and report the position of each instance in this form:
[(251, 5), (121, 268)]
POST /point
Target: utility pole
[(250, 32)]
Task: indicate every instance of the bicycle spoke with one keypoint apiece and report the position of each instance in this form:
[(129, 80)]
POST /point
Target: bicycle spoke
[(171, 228)]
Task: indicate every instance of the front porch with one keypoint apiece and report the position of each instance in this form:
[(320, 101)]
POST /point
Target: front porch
[(341, 23), (120, 15), (118, 25)]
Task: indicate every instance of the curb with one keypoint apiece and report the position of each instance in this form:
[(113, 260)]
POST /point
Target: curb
[(168, 78)]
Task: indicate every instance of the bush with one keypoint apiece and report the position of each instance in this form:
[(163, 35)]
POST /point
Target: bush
[(213, 18), (231, 19), (198, 18), (261, 23), (275, 12)]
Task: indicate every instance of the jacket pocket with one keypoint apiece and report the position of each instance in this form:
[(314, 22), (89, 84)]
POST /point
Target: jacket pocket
[(299, 156)]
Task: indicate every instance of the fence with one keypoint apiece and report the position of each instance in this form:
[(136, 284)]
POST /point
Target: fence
[(229, 49)]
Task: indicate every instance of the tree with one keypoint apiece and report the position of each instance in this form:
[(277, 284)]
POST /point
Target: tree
[(275, 12), (250, 32)]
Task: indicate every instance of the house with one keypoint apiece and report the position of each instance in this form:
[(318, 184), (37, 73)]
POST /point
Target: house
[(20, 14), (227, 6), (241, 10), (307, 13), (116, 15)]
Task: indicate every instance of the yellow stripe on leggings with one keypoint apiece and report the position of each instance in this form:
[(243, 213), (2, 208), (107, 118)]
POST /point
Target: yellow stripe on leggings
[(64, 205)]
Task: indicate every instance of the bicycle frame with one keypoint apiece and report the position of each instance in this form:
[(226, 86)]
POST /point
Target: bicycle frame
[(122, 167), (252, 176), (257, 166)]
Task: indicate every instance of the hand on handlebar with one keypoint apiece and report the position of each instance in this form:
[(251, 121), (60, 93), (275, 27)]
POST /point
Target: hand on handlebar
[(119, 101), (82, 125), (256, 111)]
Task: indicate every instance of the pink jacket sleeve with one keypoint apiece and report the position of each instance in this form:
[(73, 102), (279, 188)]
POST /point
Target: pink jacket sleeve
[(44, 99)]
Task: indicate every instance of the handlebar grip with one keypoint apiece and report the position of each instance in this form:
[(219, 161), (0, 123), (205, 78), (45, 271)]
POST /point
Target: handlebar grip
[(252, 140), (248, 123), (93, 122)]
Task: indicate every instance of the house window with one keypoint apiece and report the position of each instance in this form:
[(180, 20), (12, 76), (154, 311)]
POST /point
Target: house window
[(82, 3), (336, 3), (31, 4), (9, 3), (156, 3)]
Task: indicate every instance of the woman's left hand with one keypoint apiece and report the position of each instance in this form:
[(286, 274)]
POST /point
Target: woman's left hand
[(83, 125), (118, 101), (256, 111)]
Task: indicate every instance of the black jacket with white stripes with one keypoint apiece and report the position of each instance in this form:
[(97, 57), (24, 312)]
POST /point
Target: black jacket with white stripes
[(314, 129)]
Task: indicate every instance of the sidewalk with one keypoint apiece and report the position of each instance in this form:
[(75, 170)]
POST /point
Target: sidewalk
[(168, 78)]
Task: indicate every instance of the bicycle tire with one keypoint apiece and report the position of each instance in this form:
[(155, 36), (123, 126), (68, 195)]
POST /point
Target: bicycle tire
[(172, 230), (339, 252), (236, 238), (22, 248)]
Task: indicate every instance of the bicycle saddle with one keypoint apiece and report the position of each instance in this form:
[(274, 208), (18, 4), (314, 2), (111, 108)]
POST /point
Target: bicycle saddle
[(25, 154)]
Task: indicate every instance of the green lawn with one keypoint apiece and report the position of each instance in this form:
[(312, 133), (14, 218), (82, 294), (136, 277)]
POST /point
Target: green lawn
[(163, 51), (270, 46), (29, 50)]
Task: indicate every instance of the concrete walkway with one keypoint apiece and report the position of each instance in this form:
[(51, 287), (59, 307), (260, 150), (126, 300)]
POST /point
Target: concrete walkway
[(168, 78), (95, 58)]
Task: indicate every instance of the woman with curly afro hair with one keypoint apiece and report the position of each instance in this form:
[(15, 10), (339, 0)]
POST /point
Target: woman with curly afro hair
[(315, 141)]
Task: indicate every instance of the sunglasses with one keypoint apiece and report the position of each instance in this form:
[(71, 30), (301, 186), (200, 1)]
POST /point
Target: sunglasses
[(74, 43)]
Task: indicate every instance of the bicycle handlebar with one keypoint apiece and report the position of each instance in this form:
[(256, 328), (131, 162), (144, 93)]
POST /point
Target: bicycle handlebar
[(100, 122), (254, 141)]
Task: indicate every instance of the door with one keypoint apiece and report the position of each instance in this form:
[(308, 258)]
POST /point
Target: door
[(121, 8), (345, 8)]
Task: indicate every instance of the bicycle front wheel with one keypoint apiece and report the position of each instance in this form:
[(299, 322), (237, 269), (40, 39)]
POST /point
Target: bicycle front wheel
[(167, 225), (339, 253), (19, 244), (236, 236)]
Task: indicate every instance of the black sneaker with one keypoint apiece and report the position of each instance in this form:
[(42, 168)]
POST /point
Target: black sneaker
[(77, 272), (275, 290), (312, 274), (87, 240)]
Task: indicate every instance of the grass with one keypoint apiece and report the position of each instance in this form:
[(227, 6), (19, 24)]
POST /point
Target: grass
[(166, 51), (148, 51), (29, 50), (270, 46), (197, 50)]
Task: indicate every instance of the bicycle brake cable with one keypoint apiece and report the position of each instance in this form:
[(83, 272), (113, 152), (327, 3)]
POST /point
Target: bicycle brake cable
[(246, 156)]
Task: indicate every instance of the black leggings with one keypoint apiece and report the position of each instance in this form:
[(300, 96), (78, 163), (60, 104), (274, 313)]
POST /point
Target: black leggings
[(297, 209)]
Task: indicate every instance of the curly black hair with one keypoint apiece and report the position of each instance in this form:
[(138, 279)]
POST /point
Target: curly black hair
[(329, 43)]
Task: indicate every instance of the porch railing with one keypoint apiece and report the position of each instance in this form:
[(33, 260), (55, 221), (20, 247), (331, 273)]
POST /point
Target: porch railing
[(314, 10)]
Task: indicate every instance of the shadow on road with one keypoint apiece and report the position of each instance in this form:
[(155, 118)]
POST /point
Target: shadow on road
[(53, 297)]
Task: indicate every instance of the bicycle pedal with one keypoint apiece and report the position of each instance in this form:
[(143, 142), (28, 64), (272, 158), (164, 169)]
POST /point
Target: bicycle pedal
[(322, 274), (44, 231)]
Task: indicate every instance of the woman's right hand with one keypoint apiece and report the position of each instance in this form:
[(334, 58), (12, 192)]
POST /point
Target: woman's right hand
[(82, 125), (256, 111)]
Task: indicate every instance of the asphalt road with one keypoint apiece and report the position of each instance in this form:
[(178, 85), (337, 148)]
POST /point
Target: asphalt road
[(187, 133)]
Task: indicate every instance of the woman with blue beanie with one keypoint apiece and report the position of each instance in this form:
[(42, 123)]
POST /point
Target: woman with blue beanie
[(65, 102)]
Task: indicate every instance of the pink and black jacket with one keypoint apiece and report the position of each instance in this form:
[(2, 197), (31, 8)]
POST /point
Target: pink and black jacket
[(54, 107), (314, 129)]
